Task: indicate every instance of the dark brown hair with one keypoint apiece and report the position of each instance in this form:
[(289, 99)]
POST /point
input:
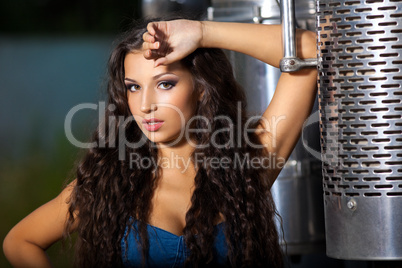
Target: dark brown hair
[(109, 194)]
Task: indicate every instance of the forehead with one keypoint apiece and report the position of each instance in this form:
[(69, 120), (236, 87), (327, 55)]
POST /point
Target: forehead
[(135, 65)]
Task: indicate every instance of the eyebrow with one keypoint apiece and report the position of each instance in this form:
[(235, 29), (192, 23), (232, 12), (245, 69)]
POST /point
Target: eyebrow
[(154, 77)]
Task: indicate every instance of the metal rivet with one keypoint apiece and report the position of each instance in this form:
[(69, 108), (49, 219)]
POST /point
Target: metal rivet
[(351, 204), (256, 20), (292, 62)]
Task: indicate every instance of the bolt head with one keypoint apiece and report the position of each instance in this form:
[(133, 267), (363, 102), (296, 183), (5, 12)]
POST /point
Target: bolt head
[(351, 204)]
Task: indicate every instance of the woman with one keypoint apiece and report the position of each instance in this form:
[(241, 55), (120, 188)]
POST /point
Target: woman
[(196, 191)]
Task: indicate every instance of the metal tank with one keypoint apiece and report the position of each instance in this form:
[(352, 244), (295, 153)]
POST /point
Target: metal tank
[(298, 190), (195, 9), (360, 99)]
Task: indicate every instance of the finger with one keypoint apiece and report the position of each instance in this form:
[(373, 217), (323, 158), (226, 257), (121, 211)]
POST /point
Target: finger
[(147, 54), (169, 58), (152, 54), (147, 45), (151, 28), (160, 61), (148, 38), (166, 60)]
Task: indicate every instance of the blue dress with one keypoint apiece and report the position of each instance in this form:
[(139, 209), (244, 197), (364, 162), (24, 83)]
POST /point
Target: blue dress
[(167, 249)]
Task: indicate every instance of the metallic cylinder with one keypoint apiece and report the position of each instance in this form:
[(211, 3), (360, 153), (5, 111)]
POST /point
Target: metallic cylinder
[(290, 62), (360, 103), (289, 29)]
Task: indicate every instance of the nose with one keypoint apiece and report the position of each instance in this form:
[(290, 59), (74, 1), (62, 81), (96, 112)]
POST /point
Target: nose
[(148, 104)]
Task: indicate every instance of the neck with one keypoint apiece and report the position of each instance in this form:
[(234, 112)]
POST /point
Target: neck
[(176, 158)]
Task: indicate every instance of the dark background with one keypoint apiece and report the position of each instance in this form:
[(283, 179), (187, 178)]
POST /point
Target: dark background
[(53, 56), (67, 17)]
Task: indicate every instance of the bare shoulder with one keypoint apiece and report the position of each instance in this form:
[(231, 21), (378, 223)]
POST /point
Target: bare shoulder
[(65, 195)]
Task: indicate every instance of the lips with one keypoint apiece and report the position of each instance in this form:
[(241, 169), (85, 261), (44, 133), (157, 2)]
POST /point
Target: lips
[(152, 124)]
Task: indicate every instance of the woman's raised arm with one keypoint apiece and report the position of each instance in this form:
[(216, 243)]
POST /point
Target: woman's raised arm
[(294, 96), (25, 244), (295, 92)]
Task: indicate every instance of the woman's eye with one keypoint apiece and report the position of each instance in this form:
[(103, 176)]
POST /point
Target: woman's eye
[(166, 85), (133, 87)]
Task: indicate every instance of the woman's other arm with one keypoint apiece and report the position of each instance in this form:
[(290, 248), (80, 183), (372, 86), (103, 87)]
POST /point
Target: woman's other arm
[(25, 244), (295, 92)]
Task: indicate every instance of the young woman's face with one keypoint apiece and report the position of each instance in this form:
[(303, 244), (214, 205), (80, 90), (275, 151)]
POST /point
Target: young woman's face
[(161, 99)]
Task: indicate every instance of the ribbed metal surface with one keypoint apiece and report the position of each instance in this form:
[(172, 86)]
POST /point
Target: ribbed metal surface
[(360, 95)]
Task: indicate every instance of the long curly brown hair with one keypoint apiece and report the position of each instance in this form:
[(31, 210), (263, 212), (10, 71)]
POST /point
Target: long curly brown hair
[(109, 194)]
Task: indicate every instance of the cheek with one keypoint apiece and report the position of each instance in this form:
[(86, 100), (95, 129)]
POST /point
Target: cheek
[(186, 103), (133, 104)]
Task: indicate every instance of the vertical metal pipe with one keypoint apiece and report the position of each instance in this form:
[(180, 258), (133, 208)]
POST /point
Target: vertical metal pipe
[(290, 62), (288, 28)]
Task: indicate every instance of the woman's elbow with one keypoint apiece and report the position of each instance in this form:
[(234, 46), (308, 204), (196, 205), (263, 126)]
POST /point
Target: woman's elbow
[(22, 253), (307, 44), (10, 244)]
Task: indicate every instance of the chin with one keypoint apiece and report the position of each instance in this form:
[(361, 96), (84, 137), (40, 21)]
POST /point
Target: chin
[(162, 139), (156, 137)]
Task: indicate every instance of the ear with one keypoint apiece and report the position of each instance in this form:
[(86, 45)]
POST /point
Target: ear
[(201, 95)]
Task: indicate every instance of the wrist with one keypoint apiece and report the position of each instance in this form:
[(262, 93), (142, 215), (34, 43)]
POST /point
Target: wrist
[(203, 27)]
